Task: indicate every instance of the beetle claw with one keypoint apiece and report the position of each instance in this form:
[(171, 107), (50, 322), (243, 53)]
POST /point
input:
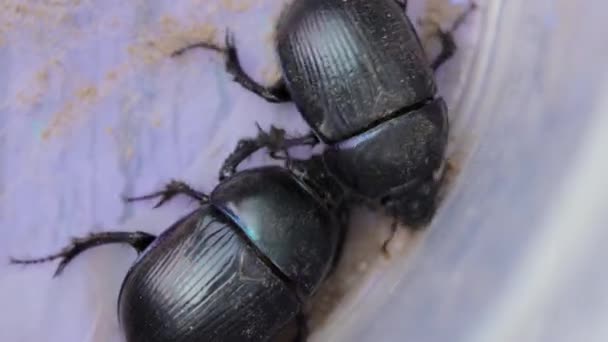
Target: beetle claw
[(446, 38), (66, 255), (385, 249), (229, 40), (163, 200), (64, 262)]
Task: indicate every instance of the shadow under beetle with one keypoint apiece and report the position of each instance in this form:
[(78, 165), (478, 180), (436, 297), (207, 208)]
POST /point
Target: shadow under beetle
[(357, 72), (238, 268)]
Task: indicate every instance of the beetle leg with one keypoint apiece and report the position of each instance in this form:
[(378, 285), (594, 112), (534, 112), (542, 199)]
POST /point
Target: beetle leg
[(343, 214), (446, 38), (448, 49), (302, 326), (138, 240), (390, 236), (274, 140), (171, 190), (275, 93)]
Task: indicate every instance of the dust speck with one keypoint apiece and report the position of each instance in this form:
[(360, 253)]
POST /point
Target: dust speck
[(168, 23), (156, 122), (60, 119), (34, 91), (42, 75), (237, 5), (87, 93), (112, 75), (129, 152)]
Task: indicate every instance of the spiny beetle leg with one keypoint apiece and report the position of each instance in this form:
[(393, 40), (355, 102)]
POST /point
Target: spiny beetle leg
[(275, 93), (171, 190), (446, 38), (274, 140), (138, 240)]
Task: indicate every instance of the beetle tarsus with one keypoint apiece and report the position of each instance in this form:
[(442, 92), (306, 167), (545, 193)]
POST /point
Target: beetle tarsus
[(138, 240), (198, 45), (448, 48), (274, 140), (171, 190), (446, 38), (275, 93)]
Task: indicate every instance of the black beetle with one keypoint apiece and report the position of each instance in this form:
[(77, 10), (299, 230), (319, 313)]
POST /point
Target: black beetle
[(357, 72), (238, 268)]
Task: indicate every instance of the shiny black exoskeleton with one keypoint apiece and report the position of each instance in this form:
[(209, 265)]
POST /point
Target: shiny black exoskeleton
[(357, 72), (238, 268)]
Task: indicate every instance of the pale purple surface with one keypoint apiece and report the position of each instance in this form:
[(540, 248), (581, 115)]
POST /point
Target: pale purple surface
[(519, 118), (173, 118)]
